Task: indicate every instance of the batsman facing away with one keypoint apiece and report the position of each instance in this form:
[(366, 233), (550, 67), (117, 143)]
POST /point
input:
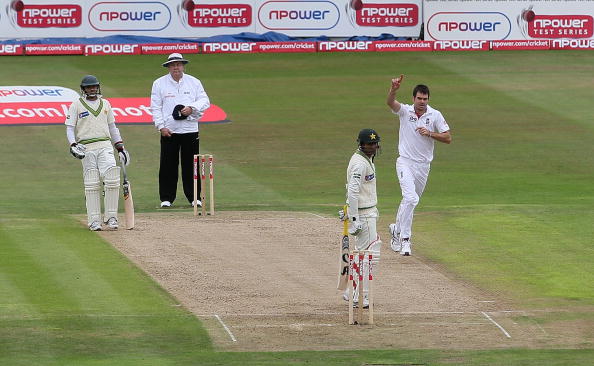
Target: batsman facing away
[(362, 212), (90, 125)]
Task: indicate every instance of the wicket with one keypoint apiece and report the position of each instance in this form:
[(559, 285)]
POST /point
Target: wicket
[(201, 160), (357, 266)]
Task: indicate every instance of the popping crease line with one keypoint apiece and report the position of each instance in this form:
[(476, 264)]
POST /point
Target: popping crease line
[(325, 325), (226, 328), (498, 326), (247, 315)]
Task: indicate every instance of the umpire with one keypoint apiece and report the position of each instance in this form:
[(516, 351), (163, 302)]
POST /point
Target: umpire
[(178, 100)]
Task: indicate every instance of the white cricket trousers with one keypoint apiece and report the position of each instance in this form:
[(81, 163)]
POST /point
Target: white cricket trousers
[(100, 165), (100, 159), (413, 178), (368, 239)]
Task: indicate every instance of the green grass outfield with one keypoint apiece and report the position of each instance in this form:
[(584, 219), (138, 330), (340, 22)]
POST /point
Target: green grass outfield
[(508, 207)]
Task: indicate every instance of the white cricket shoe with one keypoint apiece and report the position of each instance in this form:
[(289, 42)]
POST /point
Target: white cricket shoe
[(112, 223), (345, 295), (395, 242), (365, 301), (165, 204), (198, 202), (405, 250), (95, 226)]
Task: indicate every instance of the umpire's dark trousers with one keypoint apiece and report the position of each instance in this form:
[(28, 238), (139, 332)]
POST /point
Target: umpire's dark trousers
[(184, 145)]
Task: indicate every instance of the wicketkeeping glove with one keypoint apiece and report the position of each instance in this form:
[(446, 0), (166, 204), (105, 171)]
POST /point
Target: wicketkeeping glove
[(78, 150)]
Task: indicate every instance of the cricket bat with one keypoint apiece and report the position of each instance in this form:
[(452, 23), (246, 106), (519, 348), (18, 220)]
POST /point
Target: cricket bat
[(128, 202), (343, 269)]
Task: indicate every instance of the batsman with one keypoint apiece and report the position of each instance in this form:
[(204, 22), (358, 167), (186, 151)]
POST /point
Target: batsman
[(362, 213), (91, 131)]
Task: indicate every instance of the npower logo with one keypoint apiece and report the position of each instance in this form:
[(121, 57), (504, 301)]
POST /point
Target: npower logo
[(221, 15), (298, 15), (561, 26), (489, 26), (46, 16), (228, 47), (388, 15), (129, 16)]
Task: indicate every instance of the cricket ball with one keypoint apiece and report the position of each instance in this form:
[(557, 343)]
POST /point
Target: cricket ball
[(357, 4), (188, 5), (528, 15), (17, 5)]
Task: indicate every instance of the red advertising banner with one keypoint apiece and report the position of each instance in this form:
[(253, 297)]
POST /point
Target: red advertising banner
[(126, 111), (572, 44), (166, 48), (46, 16), (387, 15), (220, 15), (346, 46), (542, 44), (278, 47), (461, 46), (229, 47), (561, 26), (11, 49), (112, 49), (54, 49), (388, 46)]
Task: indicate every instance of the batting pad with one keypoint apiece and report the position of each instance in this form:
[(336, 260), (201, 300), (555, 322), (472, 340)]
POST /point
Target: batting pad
[(111, 180), (92, 193)]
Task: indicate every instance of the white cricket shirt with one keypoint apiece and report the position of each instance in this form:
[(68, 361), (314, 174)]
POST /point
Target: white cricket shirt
[(413, 145), (361, 190), (91, 120), (167, 93)]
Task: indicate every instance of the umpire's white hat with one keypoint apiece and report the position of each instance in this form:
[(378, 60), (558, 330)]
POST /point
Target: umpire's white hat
[(175, 57)]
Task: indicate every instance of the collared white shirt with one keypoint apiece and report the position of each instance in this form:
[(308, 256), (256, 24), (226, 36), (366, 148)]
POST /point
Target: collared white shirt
[(361, 190), (93, 123), (167, 93), (413, 145)]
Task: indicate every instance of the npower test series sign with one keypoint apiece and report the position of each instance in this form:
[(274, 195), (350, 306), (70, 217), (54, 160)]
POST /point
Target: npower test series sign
[(447, 20), (336, 18), (204, 18)]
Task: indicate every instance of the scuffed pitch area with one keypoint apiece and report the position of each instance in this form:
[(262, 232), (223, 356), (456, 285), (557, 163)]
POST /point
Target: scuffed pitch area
[(266, 281)]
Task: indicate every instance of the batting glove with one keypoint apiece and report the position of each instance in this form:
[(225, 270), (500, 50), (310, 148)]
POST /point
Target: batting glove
[(355, 226), (78, 150), (342, 216), (123, 153)]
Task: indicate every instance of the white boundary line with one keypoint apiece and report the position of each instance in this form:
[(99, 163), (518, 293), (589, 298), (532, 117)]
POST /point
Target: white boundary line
[(226, 328), (494, 322)]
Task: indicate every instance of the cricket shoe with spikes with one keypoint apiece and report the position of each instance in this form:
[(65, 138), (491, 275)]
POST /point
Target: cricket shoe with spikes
[(112, 223), (198, 203), (395, 242), (345, 297), (95, 226), (406, 248)]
